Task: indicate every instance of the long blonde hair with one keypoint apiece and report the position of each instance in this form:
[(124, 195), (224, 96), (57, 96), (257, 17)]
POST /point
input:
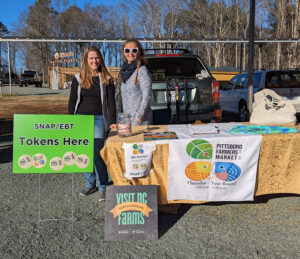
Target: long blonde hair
[(85, 72), (140, 57)]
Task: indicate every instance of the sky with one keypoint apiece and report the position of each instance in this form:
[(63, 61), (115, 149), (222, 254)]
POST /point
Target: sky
[(11, 9)]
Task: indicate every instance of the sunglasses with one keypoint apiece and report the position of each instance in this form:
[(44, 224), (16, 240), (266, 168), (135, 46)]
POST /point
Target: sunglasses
[(134, 50)]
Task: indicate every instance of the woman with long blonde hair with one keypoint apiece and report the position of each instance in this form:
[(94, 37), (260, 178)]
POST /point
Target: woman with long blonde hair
[(134, 87), (93, 93)]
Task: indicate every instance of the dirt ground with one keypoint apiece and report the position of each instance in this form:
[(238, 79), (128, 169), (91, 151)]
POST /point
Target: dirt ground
[(32, 104), (41, 104)]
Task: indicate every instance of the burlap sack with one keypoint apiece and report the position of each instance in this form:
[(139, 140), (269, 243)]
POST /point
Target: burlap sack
[(271, 109)]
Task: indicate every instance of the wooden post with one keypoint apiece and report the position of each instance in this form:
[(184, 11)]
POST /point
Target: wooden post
[(9, 72)]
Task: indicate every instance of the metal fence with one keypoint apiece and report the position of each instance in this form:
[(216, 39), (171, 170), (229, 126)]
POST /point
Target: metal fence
[(64, 72)]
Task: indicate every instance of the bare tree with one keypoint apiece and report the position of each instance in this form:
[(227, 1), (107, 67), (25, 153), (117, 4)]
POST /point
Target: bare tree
[(283, 18), (221, 25), (3, 31), (159, 19), (38, 22)]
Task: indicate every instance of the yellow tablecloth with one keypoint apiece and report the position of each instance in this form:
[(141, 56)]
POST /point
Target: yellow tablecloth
[(278, 166)]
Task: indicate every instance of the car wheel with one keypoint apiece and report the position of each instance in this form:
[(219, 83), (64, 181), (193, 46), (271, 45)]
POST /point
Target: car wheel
[(21, 84), (243, 112)]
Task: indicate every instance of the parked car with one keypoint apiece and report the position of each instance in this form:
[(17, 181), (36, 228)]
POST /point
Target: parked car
[(234, 95), (183, 90), (28, 77), (14, 79)]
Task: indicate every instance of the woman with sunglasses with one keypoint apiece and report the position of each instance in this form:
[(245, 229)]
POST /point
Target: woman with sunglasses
[(93, 93), (134, 84)]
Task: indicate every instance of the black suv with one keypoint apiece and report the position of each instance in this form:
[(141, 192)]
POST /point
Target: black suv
[(14, 79), (183, 90)]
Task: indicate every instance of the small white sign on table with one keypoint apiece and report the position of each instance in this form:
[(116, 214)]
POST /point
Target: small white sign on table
[(138, 157)]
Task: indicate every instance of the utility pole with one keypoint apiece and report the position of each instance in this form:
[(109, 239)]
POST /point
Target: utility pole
[(251, 55), (260, 45), (241, 57)]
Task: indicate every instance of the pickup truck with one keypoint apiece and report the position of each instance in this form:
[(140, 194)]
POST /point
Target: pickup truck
[(28, 77)]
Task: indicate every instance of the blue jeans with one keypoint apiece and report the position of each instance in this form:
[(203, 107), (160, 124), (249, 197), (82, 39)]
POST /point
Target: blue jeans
[(100, 170)]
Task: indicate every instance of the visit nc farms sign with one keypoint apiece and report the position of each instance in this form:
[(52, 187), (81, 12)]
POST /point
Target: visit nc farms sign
[(131, 213), (53, 143)]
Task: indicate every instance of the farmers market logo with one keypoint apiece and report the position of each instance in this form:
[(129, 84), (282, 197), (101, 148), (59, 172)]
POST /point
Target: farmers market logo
[(199, 149), (227, 172), (131, 208), (198, 171), (138, 149), (203, 150)]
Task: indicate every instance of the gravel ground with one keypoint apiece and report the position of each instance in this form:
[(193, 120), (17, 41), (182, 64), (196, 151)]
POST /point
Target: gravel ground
[(266, 228), (269, 227)]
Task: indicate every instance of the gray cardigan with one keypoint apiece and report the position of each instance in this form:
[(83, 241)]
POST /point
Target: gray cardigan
[(136, 98)]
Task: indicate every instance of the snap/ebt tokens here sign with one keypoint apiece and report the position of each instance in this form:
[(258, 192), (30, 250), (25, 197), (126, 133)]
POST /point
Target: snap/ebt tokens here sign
[(53, 143)]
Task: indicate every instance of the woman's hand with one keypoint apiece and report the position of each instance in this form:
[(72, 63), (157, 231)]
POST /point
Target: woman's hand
[(138, 120), (113, 126)]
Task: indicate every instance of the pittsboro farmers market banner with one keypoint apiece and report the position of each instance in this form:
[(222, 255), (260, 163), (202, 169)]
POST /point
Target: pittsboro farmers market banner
[(213, 169), (53, 143)]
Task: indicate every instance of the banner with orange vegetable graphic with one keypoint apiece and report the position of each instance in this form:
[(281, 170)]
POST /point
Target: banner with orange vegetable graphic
[(213, 169)]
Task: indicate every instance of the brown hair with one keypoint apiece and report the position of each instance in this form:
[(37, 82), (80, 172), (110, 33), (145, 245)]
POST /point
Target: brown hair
[(140, 57), (85, 72)]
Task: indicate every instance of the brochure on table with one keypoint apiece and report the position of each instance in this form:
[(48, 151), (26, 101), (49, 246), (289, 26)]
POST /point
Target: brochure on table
[(212, 130)]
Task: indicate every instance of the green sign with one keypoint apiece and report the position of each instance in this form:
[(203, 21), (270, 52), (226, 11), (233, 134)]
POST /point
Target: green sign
[(53, 143)]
